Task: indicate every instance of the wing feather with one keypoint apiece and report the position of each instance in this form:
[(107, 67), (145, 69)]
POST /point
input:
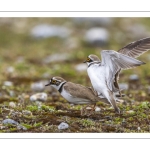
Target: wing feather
[(137, 48), (75, 91), (79, 91), (113, 62)]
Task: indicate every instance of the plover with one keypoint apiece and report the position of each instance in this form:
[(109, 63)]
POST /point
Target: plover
[(104, 74), (75, 93)]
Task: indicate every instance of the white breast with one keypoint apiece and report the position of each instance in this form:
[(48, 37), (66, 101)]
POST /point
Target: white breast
[(96, 74)]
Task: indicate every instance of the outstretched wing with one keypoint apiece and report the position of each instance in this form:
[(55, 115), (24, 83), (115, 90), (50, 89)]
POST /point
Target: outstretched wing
[(113, 62), (136, 48)]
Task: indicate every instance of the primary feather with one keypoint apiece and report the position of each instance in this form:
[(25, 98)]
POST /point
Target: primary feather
[(114, 62), (137, 48)]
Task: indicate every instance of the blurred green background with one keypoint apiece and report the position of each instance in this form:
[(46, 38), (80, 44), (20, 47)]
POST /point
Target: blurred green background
[(46, 47)]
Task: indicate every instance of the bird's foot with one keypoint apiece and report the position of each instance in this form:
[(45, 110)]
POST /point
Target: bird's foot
[(117, 111), (87, 111)]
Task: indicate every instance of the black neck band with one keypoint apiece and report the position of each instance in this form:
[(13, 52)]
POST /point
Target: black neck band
[(93, 63), (60, 89)]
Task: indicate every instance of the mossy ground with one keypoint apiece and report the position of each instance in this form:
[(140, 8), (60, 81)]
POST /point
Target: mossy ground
[(26, 55)]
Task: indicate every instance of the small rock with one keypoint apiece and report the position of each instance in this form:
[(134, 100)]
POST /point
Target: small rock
[(97, 109), (10, 121), (27, 112), (8, 83), (88, 108), (38, 97), (63, 126), (130, 111), (21, 127), (45, 31), (81, 67), (123, 86), (12, 93), (10, 69), (134, 77), (12, 104), (37, 87), (56, 58), (97, 36)]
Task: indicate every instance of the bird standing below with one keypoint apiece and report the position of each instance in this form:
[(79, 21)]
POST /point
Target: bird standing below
[(75, 93), (104, 74)]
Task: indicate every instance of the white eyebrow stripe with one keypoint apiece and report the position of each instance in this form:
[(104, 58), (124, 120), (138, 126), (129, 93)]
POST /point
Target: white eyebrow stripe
[(56, 79)]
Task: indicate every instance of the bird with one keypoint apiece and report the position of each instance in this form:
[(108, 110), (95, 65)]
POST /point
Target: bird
[(75, 93), (104, 74)]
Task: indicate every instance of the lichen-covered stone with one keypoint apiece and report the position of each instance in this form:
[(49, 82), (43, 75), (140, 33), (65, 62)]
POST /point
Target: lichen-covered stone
[(38, 97)]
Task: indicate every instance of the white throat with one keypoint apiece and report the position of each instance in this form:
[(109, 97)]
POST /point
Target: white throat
[(58, 87)]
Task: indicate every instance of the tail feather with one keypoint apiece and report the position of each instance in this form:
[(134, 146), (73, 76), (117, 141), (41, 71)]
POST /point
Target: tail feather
[(113, 102)]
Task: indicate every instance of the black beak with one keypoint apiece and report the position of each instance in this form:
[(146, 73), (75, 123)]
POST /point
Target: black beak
[(48, 84), (84, 61)]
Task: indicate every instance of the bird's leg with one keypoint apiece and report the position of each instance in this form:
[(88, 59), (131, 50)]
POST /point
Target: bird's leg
[(83, 110), (109, 95), (93, 108)]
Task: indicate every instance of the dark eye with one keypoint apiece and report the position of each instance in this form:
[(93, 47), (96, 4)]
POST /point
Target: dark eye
[(53, 81), (88, 59)]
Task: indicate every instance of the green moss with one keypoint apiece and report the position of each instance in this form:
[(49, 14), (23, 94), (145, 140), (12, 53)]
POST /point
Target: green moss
[(37, 124), (32, 108), (87, 122), (28, 126), (13, 129), (47, 108)]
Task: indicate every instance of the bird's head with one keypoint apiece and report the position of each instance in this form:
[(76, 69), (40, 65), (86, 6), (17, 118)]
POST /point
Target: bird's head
[(56, 82), (91, 59)]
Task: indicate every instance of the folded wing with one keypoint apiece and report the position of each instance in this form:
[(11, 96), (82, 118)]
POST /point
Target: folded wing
[(79, 91)]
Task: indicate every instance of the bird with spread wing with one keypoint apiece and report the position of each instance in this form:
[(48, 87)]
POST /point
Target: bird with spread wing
[(104, 74)]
